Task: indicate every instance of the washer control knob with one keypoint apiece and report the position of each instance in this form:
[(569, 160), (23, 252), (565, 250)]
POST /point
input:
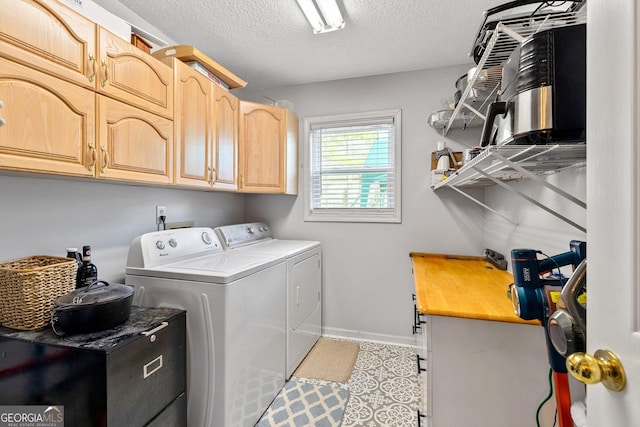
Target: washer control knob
[(160, 244), (266, 228), (206, 238), (173, 243), (250, 230)]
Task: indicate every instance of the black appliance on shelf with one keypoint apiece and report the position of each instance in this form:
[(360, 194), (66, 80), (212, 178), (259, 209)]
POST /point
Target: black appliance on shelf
[(131, 375), (546, 100)]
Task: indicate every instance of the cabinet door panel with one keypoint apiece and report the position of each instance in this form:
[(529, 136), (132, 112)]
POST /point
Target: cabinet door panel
[(50, 124), (262, 132), (50, 37), (193, 126), (134, 144), (226, 157), (133, 76)]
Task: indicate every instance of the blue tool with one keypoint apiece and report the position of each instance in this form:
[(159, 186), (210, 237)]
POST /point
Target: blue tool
[(534, 296), (531, 291)]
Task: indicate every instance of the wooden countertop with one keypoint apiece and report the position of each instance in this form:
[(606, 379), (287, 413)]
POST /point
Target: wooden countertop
[(462, 286)]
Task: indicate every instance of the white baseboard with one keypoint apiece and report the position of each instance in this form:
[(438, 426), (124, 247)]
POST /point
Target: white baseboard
[(368, 336)]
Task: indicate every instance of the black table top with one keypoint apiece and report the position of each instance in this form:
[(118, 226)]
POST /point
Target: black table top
[(141, 319)]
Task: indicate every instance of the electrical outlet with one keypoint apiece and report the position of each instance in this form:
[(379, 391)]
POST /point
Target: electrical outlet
[(161, 211)]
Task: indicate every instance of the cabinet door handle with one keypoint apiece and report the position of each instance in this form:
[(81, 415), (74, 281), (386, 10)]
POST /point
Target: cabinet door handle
[(417, 321), (418, 359), (2, 121), (92, 60), (420, 416), (105, 158), (106, 73), (241, 181), (156, 329), (94, 156), (214, 176)]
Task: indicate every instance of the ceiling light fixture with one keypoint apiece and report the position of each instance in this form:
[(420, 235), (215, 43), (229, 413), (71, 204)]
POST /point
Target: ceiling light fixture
[(323, 15)]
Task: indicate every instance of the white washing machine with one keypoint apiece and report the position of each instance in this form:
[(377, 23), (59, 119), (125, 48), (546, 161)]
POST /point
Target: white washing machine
[(303, 278), (236, 319)]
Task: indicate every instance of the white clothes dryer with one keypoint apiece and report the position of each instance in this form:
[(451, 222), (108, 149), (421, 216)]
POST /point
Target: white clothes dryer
[(303, 279), (236, 320)]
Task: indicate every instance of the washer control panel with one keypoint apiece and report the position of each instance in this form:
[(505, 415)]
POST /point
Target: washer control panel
[(163, 247)]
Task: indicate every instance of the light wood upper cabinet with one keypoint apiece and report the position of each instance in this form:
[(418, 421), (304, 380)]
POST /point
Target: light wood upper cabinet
[(49, 123), (206, 131), (130, 75), (268, 149), (226, 140), (49, 37), (52, 63), (135, 145), (193, 126)]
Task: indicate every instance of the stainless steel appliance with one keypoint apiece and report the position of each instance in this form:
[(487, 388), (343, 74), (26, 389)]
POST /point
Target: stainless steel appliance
[(546, 101)]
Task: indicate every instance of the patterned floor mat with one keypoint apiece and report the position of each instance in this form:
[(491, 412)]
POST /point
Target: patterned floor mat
[(384, 388), (303, 403)]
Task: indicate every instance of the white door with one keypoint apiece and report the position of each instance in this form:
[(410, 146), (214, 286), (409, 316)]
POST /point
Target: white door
[(613, 197)]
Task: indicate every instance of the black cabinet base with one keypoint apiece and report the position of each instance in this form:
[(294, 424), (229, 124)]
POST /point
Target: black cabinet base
[(128, 376)]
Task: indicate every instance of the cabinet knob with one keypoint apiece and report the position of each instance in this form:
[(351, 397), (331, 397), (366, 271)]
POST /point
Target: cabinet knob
[(604, 366), (2, 121)]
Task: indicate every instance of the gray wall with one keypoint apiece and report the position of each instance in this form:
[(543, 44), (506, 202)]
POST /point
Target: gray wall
[(45, 215), (367, 269), (537, 229)]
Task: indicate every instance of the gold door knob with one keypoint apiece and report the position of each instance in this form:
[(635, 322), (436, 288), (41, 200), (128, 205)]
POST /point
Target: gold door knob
[(604, 366)]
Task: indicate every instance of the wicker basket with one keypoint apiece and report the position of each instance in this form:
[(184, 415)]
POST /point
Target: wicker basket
[(29, 287)]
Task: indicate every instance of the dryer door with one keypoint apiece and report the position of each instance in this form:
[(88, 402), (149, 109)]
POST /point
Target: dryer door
[(305, 286)]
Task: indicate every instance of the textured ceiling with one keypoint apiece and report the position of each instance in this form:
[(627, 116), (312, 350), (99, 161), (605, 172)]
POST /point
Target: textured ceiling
[(269, 43)]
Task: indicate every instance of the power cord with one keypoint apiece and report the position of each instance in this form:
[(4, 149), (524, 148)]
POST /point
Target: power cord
[(552, 260), (546, 399), (162, 218)]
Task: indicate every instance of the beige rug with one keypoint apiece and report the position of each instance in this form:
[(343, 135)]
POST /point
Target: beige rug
[(329, 360)]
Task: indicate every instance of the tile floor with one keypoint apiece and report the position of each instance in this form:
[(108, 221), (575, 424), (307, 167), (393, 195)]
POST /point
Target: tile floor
[(384, 388)]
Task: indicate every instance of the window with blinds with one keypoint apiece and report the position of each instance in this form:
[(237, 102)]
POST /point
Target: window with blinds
[(354, 167)]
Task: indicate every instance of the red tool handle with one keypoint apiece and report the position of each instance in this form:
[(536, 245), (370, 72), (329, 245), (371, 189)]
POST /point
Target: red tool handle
[(563, 399)]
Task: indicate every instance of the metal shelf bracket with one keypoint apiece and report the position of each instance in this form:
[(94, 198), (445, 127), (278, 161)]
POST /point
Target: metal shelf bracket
[(498, 165)]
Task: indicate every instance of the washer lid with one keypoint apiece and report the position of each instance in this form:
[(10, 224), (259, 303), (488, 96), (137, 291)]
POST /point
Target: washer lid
[(219, 268)]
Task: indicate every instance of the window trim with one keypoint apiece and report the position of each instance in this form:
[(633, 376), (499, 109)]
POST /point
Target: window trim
[(357, 214)]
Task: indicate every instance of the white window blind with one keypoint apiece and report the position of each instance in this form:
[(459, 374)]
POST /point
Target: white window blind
[(354, 172)]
